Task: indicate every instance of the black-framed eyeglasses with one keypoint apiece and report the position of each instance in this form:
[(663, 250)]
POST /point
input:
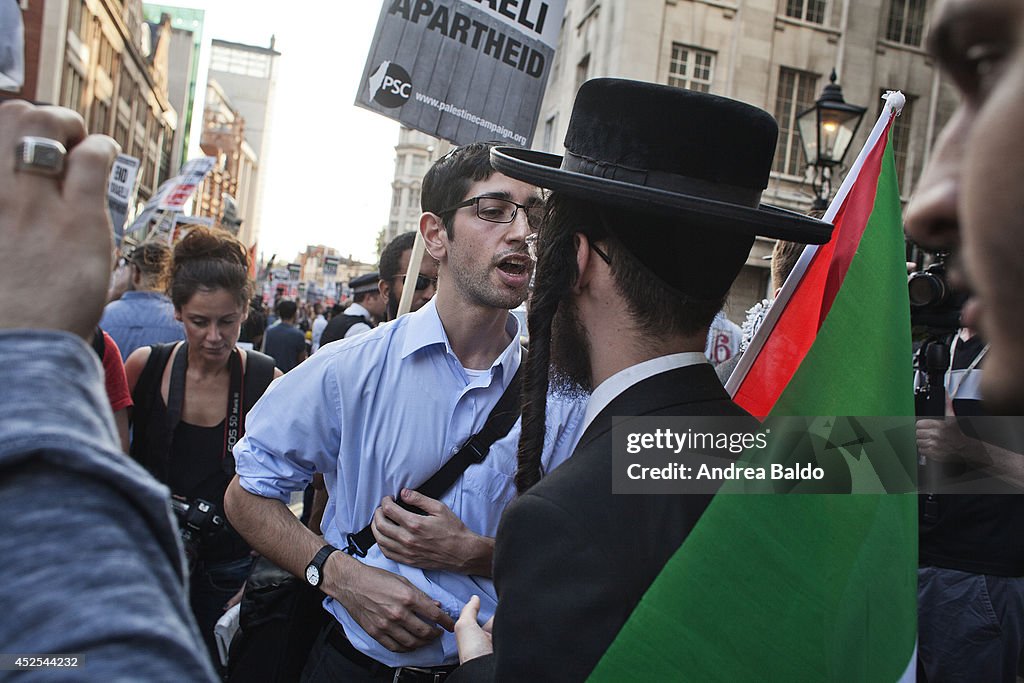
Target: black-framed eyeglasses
[(500, 210), (604, 256), (422, 281), (531, 248)]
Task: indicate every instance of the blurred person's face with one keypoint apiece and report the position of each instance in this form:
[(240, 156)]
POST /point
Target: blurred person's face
[(391, 291), (970, 192), (375, 304), (213, 320)]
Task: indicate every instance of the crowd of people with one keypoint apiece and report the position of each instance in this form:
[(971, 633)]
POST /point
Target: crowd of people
[(461, 522)]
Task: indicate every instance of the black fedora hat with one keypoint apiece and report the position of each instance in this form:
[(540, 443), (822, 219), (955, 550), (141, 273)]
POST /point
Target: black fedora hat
[(670, 151)]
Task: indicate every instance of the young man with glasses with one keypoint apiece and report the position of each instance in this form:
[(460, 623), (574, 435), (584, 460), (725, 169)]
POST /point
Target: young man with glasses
[(379, 415)]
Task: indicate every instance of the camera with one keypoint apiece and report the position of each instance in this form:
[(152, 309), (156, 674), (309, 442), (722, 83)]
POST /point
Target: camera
[(934, 304), (935, 317), (197, 520), (929, 288)]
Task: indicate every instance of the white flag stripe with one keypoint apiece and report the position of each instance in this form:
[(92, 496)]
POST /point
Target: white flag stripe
[(894, 101)]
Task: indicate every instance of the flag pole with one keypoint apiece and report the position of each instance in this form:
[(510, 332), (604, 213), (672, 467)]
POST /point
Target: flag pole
[(894, 101), (405, 304)]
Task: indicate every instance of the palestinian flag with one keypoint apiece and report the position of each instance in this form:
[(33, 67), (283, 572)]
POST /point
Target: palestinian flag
[(806, 587)]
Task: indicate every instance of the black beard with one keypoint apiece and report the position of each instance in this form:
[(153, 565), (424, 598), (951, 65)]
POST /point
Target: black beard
[(570, 351)]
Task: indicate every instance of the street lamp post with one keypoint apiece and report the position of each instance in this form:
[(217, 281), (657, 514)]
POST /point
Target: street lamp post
[(826, 131)]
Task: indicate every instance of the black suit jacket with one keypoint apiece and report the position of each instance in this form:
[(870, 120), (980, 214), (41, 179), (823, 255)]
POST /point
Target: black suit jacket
[(572, 560)]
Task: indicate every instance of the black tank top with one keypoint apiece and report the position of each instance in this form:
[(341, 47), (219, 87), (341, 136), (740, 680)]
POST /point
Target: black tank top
[(195, 470)]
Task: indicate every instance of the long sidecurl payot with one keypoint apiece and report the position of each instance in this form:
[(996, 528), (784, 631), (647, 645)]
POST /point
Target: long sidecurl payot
[(551, 289)]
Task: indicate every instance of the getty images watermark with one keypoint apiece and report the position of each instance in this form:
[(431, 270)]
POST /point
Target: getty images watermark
[(851, 455)]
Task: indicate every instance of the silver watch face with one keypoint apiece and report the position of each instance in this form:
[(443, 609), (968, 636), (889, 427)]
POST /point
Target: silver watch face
[(313, 575)]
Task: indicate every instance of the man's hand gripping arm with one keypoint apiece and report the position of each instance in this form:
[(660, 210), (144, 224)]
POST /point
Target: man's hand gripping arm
[(434, 540)]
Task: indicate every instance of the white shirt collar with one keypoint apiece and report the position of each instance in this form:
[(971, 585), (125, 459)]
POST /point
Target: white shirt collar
[(624, 379), (357, 310)]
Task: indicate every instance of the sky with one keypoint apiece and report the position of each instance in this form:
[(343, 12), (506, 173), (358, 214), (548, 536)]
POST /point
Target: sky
[(330, 164)]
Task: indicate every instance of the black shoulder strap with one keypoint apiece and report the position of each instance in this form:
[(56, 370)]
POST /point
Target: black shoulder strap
[(259, 373), (149, 379), (499, 422), (143, 395), (99, 345)]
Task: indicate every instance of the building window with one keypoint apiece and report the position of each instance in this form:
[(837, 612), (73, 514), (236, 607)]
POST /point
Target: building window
[(139, 152), (99, 116), (418, 166), (549, 132), (906, 22), (691, 68), (121, 133), (78, 19), (808, 10), (396, 198), (556, 65), (795, 95), (414, 198), (900, 132), (71, 89), (582, 71), (240, 62), (165, 156)]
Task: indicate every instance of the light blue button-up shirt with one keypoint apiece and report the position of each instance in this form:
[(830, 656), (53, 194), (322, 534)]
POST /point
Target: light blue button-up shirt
[(138, 319), (386, 410)]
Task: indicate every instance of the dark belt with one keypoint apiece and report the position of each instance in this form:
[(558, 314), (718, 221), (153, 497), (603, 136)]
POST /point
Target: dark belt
[(404, 674)]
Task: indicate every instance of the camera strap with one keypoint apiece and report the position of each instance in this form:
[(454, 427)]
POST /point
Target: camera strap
[(955, 378), (499, 421), (236, 394)]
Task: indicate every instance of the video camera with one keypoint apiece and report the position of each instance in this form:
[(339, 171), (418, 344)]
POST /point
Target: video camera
[(934, 317), (197, 520), (934, 305)]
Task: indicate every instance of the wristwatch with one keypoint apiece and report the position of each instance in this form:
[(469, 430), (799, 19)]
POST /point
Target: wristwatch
[(315, 569)]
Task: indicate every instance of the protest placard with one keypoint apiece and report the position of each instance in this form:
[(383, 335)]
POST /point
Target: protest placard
[(121, 191), (192, 173), (462, 70)]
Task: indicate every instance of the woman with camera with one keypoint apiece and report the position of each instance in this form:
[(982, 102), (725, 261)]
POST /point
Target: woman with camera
[(191, 399)]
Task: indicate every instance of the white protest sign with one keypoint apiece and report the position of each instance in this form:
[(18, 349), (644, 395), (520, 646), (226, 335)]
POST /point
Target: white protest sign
[(121, 191), (192, 173), (149, 212)]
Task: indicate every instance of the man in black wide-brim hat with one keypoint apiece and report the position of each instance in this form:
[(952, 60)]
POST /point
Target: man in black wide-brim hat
[(653, 210)]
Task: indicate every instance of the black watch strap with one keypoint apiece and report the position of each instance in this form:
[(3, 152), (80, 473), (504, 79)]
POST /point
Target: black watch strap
[(315, 568)]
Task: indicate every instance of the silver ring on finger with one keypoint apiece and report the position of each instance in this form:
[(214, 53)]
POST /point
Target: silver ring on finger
[(43, 156)]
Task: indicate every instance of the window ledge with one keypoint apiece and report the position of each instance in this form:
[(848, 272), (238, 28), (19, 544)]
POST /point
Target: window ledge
[(715, 3), (884, 43), (803, 23), (778, 175), (588, 14)]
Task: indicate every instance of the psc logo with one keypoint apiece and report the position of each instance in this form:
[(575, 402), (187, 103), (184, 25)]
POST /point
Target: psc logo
[(390, 85)]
